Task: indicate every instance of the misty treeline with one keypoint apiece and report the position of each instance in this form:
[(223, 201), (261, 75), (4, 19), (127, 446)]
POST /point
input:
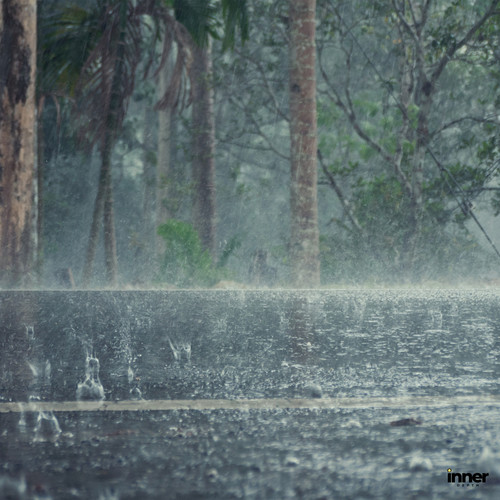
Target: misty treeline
[(178, 143)]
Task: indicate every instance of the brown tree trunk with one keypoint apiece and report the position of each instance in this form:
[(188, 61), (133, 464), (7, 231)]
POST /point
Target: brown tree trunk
[(97, 216), (146, 249), (203, 163), (111, 259), (103, 207), (17, 122), (304, 241), (40, 164), (163, 166)]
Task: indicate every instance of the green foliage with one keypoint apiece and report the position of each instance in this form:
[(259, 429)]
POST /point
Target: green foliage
[(199, 17), (231, 246), (66, 37), (235, 14), (185, 263), (377, 253), (202, 19)]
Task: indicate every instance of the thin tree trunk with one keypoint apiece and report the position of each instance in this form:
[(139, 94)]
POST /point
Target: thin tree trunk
[(17, 142), (304, 240), (103, 207), (40, 162), (163, 167), (414, 232), (110, 255), (203, 163), (97, 216), (147, 251)]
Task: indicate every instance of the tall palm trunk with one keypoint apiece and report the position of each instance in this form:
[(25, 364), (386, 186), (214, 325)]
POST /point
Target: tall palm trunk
[(304, 240), (111, 259), (97, 216), (103, 206), (203, 163), (17, 144)]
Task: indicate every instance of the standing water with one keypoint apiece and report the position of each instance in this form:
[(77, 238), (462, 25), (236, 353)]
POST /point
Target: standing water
[(250, 394)]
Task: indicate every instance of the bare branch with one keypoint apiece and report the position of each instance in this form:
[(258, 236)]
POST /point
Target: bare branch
[(477, 119), (265, 80), (413, 15), (404, 23), (254, 147), (340, 195), (258, 129), (249, 161)]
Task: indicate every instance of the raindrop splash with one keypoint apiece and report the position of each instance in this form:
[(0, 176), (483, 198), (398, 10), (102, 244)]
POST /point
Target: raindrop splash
[(180, 350), (13, 488), (47, 427), (91, 388)]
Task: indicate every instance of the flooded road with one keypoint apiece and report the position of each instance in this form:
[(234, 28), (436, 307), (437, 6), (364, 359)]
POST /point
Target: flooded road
[(249, 394)]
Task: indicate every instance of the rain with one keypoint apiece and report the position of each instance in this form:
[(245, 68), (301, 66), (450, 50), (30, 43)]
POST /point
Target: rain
[(249, 249)]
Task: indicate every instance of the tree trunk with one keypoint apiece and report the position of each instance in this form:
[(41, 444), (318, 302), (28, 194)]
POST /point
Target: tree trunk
[(163, 170), (304, 241), (111, 259), (414, 232), (103, 207), (203, 163), (17, 145), (97, 216), (146, 249), (40, 167)]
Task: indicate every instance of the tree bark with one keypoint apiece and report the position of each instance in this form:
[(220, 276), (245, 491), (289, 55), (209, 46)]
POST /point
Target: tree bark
[(40, 168), (97, 216), (203, 163), (17, 143), (304, 241), (163, 166), (103, 207), (146, 249), (110, 255)]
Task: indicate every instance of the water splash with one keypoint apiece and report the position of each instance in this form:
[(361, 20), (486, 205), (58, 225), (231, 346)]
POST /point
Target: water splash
[(30, 333), (42, 424), (22, 424), (180, 350), (91, 388), (134, 391), (130, 375), (47, 427), (13, 488), (108, 494)]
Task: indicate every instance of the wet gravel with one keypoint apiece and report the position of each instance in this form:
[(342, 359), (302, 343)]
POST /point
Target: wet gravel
[(260, 454)]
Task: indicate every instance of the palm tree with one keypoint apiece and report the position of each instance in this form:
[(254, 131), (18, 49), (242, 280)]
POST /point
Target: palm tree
[(109, 36), (201, 18)]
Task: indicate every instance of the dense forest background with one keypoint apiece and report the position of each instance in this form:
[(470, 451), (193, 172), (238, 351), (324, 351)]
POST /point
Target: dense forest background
[(408, 144)]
